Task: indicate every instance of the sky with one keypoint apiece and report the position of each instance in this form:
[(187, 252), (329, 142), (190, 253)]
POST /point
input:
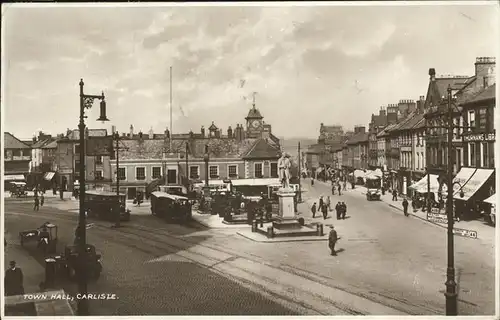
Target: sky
[(307, 64)]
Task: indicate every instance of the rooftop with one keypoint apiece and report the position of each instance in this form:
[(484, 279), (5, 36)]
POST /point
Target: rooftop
[(11, 142)]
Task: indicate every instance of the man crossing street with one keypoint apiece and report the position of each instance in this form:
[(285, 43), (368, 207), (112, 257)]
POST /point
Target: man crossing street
[(332, 240), (405, 207)]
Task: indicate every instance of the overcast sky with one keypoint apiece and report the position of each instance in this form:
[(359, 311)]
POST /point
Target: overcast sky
[(335, 65)]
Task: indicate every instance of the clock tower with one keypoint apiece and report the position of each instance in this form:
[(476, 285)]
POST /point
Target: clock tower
[(255, 125)]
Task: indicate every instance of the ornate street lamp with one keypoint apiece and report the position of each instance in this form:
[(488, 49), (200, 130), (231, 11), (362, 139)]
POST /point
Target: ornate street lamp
[(86, 102)]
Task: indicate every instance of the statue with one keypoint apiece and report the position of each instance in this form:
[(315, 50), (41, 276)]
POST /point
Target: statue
[(284, 165)]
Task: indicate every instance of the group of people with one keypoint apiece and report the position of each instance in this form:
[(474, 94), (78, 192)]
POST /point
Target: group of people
[(39, 201), (324, 207)]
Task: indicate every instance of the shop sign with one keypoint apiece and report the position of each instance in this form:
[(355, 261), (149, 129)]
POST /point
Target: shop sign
[(465, 233), (479, 137), (437, 217)]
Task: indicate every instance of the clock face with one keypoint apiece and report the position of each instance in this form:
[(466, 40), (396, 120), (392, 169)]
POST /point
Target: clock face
[(256, 123)]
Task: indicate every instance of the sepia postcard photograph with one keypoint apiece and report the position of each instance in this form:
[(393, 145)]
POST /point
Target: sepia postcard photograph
[(249, 159)]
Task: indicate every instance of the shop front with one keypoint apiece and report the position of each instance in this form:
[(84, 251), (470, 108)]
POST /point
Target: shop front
[(471, 187)]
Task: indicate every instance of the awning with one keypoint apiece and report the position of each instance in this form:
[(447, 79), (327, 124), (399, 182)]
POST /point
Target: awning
[(471, 180), (421, 185), (14, 177), (255, 182), (491, 200), (49, 175), (359, 173)]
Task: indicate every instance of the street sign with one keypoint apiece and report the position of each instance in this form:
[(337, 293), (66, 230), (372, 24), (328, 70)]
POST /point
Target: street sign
[(437, 217), (465, 233)]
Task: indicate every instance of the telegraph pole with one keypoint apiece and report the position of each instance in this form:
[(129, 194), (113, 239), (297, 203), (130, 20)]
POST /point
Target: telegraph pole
[(117, 146), (171, 129)]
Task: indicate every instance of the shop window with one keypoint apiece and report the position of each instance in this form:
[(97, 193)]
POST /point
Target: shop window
[(472, 120), (122, 174), (232, 171), (156, 172), (98, 175), (484, 151), (193, 172), (258, 170), (98, 159)]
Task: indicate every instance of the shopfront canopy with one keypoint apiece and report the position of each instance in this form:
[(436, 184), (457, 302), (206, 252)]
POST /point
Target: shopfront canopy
[(373, 175), (469, 180), (491, 199), (256, 182), (359, 173), (49, 175), (14, 177), (422, 186)]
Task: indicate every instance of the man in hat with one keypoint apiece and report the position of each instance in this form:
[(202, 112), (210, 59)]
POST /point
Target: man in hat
[(332, 240), (13, 280)]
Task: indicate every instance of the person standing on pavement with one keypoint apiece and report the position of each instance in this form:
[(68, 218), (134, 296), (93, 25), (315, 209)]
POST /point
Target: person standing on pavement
[(343, 210), (36, 207), (13, 280), (332, 240), (312, 181), (320, 207), (333, 189), (345, 185), (324, 210), (405, 207), (338, 210), (394, 195), (42, 199), (339, 189), (313, 210), (328, 203)]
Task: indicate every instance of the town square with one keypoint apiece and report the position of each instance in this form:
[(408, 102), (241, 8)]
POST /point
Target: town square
[(270, 159)]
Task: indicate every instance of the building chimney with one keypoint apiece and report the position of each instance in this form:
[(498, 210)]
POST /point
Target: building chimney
[(140, 135), (131, 131), (191, 134), (203, 131), (151, 134), (382, 112), (432, 74), (34, 138), (217, 133), (229, 132), (167, 134)]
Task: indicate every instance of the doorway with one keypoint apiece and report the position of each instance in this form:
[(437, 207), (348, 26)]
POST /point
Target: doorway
[(131, 193), (171, 176)]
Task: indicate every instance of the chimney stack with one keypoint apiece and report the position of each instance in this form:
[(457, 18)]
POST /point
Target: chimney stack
[(113, 130), (151, 134), (131, 131), (229, 132), (203, 131)]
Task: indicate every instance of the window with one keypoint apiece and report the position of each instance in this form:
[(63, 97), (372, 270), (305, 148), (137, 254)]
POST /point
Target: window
[(77, 166), (122, 174), (460, 125), (258, 170), (274, 170), (472, 120), (459, 160), (98, 159), (472, 154), (484, 152), (77, 148), (491, 154), (194, 172), (98, 175), (482, 119), (232, 171), (156, 172), (456, 132), (16, 153), (214, 172), (140, 173)]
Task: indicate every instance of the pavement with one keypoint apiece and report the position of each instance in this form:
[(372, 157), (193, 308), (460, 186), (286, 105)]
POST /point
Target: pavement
[(387, 264), (33, 271)]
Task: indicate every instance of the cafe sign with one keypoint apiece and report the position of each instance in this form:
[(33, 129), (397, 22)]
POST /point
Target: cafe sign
[(479, 137)]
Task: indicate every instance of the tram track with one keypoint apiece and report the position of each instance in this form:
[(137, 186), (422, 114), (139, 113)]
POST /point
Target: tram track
[(152, 241)]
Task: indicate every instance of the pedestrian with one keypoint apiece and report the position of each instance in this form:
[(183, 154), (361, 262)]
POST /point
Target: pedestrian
[(333, 189), (321, 203), (312, 181), (405, 207), (343, 210), (328, 203), (332, 240), (324, 209), (42, 199), (13, 280), (339, 189), (36, 207), (313, 210), (338, 209), (394, 195)]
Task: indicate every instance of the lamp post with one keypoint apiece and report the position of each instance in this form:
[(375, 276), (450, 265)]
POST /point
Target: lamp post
[(187, 165), (299, 198), (116, 136), (206, 158), (86, 102)]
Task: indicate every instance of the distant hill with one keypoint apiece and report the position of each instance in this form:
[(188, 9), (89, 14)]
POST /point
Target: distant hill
[(290, 145)]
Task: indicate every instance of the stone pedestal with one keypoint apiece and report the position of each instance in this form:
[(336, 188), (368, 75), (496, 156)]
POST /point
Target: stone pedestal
[(286, 203), (287, 218)]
